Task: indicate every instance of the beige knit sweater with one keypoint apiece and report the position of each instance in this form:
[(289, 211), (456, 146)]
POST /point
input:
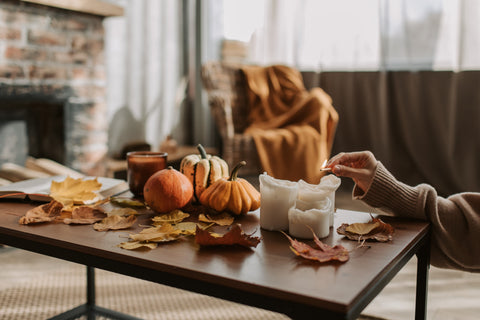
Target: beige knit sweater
[(455, 221)]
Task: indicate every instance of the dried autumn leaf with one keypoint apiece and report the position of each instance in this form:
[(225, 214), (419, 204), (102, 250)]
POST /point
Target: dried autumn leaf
[(115, 223), (43, 213), (233, 237), (163, 233), (132, 245), (126, 202), (375, 229), (222, 219), (324, 252), (186, 228), (174, 216), (85, 215), (75, 190), (362, 228), (122, 212)]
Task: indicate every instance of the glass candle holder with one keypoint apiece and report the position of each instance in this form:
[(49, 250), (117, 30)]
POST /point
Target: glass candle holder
[(141, 165)]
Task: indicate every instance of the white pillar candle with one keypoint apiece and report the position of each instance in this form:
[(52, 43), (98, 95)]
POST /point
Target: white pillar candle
[(319, 192), (277, 197), (302, 224)]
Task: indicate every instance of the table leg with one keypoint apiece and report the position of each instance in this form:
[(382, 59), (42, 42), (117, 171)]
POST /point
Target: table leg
[(90, 309), (423, 266)]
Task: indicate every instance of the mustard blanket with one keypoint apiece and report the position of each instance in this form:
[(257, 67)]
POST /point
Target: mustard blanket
[(293, 128)]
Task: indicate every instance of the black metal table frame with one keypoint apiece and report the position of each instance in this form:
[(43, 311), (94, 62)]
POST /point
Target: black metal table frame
[(421, 248)]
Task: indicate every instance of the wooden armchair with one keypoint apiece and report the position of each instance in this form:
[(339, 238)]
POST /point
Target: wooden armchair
[(226, 88)]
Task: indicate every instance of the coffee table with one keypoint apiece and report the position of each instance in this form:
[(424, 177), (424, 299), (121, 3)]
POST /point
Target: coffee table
[(269, 276)]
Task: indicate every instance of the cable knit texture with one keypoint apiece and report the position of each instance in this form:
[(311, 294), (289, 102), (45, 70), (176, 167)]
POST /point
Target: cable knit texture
[(455, 221)]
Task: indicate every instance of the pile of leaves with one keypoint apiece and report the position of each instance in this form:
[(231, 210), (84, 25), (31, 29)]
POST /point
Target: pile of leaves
[(76, 201), (171, 226), (375, 229)]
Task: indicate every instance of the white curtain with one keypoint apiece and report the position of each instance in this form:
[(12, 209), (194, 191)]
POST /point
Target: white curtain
[(350, 35), (143, 52)]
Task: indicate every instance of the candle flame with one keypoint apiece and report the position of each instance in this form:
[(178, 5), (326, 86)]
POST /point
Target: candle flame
[(323, 166)]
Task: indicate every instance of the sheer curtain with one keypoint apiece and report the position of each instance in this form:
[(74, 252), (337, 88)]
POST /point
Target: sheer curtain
[(144, 70), (403, 76), (367, 35)]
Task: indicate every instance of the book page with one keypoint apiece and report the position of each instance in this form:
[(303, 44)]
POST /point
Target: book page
[(39, 189)]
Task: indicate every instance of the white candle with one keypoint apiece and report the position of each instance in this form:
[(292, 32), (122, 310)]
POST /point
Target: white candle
[(302, 224), (323, 204), (316, 193), (277, 197)]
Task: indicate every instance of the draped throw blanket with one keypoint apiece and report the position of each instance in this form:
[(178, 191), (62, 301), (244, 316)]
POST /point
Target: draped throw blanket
[(293, 128)]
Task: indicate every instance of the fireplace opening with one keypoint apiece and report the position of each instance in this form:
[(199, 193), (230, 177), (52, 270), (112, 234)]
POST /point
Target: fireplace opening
[(31, 128)]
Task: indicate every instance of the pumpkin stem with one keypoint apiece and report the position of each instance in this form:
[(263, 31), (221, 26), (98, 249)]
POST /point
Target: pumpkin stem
[(233, 175), (169, 167), (202, 151)]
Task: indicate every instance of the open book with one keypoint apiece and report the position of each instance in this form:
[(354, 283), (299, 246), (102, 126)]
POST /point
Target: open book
[(39, 189)]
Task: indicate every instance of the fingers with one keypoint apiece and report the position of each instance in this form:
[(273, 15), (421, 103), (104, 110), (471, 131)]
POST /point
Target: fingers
[(351, 159), (346, 171)]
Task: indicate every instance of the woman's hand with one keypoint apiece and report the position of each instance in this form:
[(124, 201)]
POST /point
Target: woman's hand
[(359, 166)]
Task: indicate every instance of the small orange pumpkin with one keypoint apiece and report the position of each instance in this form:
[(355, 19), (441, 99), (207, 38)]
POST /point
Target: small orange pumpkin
[(167, 190), (235, 195)]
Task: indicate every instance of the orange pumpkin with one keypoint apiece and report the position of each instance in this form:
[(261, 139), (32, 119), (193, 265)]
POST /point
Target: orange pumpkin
[(167, 190), (234, 194)]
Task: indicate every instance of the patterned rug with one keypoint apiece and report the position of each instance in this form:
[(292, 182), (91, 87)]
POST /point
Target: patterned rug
[(34, 287)]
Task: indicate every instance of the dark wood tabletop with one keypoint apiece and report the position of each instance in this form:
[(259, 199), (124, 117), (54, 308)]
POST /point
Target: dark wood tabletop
[(269, 276)]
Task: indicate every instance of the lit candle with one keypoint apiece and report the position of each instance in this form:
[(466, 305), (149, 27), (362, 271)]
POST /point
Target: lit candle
[(303, 224), (278, 196)]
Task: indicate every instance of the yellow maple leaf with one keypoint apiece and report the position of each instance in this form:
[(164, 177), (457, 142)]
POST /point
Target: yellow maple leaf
[(73, 190), (163, 233), (174, 216)]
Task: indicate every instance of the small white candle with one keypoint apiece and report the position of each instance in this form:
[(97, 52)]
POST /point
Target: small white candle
[(303, 223), (323, 204), (278, 196), (315, 193)]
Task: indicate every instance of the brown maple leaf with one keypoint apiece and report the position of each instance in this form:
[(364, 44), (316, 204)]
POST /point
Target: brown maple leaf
[(375, 229), (324, 252), (234, 236), (43, 213)]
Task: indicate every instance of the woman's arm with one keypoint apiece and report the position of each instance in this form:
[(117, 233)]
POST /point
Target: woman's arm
[(455, 220)]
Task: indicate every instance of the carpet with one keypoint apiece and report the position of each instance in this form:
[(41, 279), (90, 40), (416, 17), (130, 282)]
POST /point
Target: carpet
[(33, 287), (38, 287)]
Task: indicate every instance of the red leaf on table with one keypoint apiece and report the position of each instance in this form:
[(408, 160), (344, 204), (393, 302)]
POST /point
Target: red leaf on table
[(232, 237), (85, 215), (324, 252)]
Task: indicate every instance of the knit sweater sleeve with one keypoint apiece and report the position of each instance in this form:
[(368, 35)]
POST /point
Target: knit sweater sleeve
[(455, 221)]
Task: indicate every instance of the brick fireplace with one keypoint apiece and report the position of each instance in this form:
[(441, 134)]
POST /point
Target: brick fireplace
[(52, 83)]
